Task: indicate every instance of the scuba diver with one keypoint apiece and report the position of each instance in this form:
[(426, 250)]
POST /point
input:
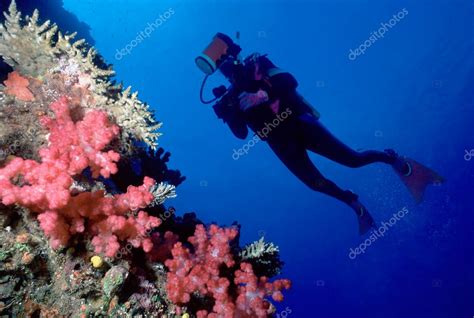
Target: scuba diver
[(265, 98)]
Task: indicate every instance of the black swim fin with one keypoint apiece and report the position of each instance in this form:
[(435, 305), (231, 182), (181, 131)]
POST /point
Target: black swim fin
[(416, 176)]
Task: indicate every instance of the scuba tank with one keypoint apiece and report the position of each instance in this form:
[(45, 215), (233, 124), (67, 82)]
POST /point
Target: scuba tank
[(275, 71)]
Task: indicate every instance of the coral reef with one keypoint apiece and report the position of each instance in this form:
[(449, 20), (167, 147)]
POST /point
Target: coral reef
[(85, 232)]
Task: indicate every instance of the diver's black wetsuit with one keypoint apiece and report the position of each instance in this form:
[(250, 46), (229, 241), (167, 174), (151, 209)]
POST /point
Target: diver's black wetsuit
[(311, 135), (290, 138)]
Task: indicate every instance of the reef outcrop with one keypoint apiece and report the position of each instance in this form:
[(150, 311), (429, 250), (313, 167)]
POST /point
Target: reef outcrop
[(83, 186)]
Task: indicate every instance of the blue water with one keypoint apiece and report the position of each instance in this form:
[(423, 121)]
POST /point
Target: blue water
[(412, 90)]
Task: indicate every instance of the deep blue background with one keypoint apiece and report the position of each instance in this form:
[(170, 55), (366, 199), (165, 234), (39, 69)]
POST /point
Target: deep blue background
[(412, 90)]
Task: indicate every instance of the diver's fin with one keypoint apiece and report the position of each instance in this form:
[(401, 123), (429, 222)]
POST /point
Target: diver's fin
[(417, 177), (366, 222)]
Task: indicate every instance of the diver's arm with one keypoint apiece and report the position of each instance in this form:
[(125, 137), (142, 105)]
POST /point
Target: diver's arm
[(249, 100), (234, 118), (238, 127)]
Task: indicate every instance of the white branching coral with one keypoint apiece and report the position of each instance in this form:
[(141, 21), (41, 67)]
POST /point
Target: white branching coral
[(264, 258), (162, 192), (56, 66), (258, 249), (135, 118)]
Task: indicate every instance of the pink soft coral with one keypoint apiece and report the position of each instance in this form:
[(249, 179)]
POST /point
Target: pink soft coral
[(17, 86), (76, 146), (253, 290), (45, 190), (133, 229), (201, 272)]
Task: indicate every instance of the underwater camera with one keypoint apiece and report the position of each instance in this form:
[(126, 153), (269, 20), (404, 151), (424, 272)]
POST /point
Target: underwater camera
[(217, 52), (223, 54)]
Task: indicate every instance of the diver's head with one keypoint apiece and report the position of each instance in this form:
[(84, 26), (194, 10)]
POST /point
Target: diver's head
[(248, 73), (257, 66), (264, 64)]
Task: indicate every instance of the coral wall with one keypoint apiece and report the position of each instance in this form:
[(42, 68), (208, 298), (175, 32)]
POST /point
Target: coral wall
[(83, 233)]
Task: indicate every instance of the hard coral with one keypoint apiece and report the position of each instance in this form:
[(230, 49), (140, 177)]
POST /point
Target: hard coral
[(46, 185), (201, 272)]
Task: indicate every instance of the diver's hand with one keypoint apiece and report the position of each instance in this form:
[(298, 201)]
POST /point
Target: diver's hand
[(249, 100)]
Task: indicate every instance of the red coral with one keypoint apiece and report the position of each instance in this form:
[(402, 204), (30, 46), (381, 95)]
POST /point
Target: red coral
[(76, 146), (46, 185), (17, 86), (253, 290), (201, 272), (115, 228)]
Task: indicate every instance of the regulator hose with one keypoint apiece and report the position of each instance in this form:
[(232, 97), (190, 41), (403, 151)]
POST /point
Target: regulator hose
[(202, 91)]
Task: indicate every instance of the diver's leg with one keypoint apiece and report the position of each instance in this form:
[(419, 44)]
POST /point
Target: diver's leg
[(295, 157), (321, 141)]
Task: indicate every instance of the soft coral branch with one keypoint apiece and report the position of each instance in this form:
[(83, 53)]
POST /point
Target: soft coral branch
[(253, 290)]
